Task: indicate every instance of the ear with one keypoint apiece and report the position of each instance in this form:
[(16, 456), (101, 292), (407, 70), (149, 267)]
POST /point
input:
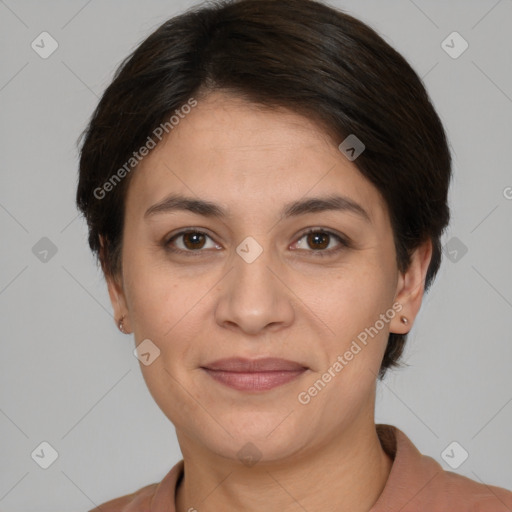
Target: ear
[(115, 291), (410, 288)]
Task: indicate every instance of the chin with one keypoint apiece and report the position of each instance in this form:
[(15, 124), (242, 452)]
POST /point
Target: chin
[(262, 436), (249, 449)]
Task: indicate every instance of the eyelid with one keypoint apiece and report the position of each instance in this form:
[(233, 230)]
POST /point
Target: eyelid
[(170, 238), (343, 240)]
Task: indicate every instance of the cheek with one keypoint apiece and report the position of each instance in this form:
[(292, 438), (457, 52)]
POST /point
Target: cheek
[(354, 345), (350, 299), (166, 311), (169, 309), (155, 298), (355, 330)]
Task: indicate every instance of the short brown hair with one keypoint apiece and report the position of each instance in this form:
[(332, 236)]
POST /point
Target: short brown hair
[(297, 54)]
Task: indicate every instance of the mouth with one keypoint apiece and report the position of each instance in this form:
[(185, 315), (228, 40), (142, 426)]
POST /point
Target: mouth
[(254, 374)]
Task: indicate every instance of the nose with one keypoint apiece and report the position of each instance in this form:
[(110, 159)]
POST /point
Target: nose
[(253, 297)]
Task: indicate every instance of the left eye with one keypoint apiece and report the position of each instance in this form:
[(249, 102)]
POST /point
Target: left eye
[(320, 240)]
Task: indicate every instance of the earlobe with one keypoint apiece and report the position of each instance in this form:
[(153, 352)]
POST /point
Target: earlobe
[(115, 292), (410, 288)]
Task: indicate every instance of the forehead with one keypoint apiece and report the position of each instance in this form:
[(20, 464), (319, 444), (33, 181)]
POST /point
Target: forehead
[(248, 159)]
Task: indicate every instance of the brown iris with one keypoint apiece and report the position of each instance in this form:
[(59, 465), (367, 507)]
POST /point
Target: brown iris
[(196, 240), (314, 240)]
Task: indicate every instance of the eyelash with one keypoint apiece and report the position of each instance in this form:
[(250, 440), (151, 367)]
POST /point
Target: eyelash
[(322, 253)]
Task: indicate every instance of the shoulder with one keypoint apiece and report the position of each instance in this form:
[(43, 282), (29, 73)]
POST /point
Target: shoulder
[(418, 482), (461, 491), (158, 497), (139, 501)]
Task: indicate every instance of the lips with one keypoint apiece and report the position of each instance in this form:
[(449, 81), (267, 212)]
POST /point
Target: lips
[(268, 364), (254, 374)]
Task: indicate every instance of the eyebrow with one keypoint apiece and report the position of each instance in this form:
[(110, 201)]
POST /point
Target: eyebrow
[(177, 202)]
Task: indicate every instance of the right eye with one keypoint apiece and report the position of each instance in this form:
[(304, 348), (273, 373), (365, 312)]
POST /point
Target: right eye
[(192, 241)]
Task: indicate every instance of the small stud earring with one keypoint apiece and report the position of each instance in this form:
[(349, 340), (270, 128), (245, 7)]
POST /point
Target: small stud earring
[(120, 324), (404, 320)]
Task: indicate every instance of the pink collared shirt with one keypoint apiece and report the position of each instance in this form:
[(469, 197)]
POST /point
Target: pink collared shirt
[(416, 483)]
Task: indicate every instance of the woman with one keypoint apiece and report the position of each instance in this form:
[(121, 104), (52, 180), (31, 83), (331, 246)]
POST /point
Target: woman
[(265, 185)]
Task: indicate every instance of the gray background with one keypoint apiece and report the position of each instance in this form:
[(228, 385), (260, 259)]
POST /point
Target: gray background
[(69, 377)]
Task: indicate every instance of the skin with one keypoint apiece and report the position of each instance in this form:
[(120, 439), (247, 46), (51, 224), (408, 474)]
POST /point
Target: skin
[(288, 303)]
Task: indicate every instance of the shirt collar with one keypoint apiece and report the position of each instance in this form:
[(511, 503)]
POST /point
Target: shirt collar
[(410, 473)]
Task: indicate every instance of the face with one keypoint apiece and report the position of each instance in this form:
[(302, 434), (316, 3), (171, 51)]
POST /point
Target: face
[(247, 279)]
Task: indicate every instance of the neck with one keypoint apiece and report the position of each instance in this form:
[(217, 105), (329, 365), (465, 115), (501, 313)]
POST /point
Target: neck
[(346, 473)]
